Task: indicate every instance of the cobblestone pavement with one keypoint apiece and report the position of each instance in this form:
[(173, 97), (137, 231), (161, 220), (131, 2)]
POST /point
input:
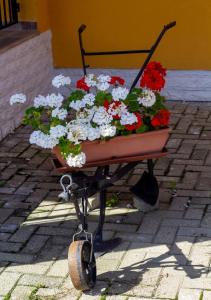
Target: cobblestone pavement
[(165, 254)]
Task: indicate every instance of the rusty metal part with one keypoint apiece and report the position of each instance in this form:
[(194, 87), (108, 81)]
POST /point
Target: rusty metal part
[(82, 267)]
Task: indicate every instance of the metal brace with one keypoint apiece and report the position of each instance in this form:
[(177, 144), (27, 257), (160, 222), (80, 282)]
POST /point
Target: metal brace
[(66, 194)]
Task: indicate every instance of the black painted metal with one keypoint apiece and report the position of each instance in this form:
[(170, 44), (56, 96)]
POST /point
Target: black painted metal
[(8, 13), (89, 185), (150, 51)]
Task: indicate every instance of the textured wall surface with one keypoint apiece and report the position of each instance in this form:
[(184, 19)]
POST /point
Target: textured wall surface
[(25, 68)]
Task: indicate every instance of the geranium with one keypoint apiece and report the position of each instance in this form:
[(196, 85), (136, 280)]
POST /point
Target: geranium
[(136, 125), (100, 108), (161, 118), (117, 80), (17, 98), (60, 80), (153, 77), (81, 84)]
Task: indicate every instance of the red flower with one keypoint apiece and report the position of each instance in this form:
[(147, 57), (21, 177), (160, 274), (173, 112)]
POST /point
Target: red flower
[(106, 104), (161, 118), (153, 77), (136, 125), (81, 84), (117, 80), (156, 66)]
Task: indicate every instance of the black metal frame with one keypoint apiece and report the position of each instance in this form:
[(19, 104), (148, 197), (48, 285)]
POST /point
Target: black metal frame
[(101, 180), (150, 51), (9, 13)]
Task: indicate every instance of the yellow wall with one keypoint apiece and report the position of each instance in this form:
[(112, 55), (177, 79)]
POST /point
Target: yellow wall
[(27, 10), (123, 24), (35, 10)]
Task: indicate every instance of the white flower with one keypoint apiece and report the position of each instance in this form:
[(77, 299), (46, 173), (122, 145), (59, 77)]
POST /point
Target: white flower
[(17, 98), (76, 161), (107, 130), (43, 140), (88, 99), (115, 109), (77, 105), (59, 113), (119, 93), (90, 80), (58, 131), (85, 116), (128, 119), (54, 100), (101, 116), (77, 132), (40, 101), (103, 82), (60, 80), (93, 133), (148, 98)]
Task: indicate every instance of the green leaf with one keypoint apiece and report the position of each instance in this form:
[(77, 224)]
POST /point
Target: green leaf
[(101, 97), (76, 95), (67, 147), (143, 129), (132, 102)]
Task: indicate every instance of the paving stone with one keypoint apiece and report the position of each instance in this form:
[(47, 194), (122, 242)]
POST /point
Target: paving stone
[(4, 214), (197, 283), (168, 287), (21, 292), (10, 247), (149, 225), (8, 281), (197, 231), (37, 267), (35, 244), (165, 235), (15, 257), (4, 236), (23, 234), (34, 280), (45, 292), (59, 268), (54, 231), (206, 295)]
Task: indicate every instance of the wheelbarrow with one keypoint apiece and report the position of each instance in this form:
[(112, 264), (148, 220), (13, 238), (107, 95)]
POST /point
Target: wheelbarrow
[(78, 187)]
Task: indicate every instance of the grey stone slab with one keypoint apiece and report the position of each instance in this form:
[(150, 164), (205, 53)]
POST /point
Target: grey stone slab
[(8, 281), (23, 234)]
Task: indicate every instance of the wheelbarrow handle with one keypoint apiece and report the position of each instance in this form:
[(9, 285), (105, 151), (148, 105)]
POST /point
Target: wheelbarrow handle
[(170, 25), (81, 28)]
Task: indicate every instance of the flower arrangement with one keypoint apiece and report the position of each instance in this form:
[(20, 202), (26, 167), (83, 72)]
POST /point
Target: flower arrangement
[(100, 107)]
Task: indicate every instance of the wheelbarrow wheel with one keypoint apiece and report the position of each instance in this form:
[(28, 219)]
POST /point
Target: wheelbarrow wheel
[(82, 269)]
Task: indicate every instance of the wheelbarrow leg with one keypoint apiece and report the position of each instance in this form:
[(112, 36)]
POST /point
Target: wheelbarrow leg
[(101, 246)]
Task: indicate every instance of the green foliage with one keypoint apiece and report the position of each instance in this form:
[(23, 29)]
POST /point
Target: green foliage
[(113, 201), (76, 95), (33, 295), (101, 97), (67, 147), (7, 296), (142, 129), (159, 104), (132, 103)]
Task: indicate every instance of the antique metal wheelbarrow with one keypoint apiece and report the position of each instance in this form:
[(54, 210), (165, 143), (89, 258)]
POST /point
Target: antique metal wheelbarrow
[(78, 187)]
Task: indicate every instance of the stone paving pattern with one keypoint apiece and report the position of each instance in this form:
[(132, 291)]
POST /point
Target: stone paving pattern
[(165, 254)]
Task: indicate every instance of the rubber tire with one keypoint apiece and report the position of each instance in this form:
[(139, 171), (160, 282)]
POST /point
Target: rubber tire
[(81, 271)]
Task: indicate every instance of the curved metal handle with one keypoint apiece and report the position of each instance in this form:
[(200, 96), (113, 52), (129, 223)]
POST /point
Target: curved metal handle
[(66, 187), (170, 25), (81, 28)]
